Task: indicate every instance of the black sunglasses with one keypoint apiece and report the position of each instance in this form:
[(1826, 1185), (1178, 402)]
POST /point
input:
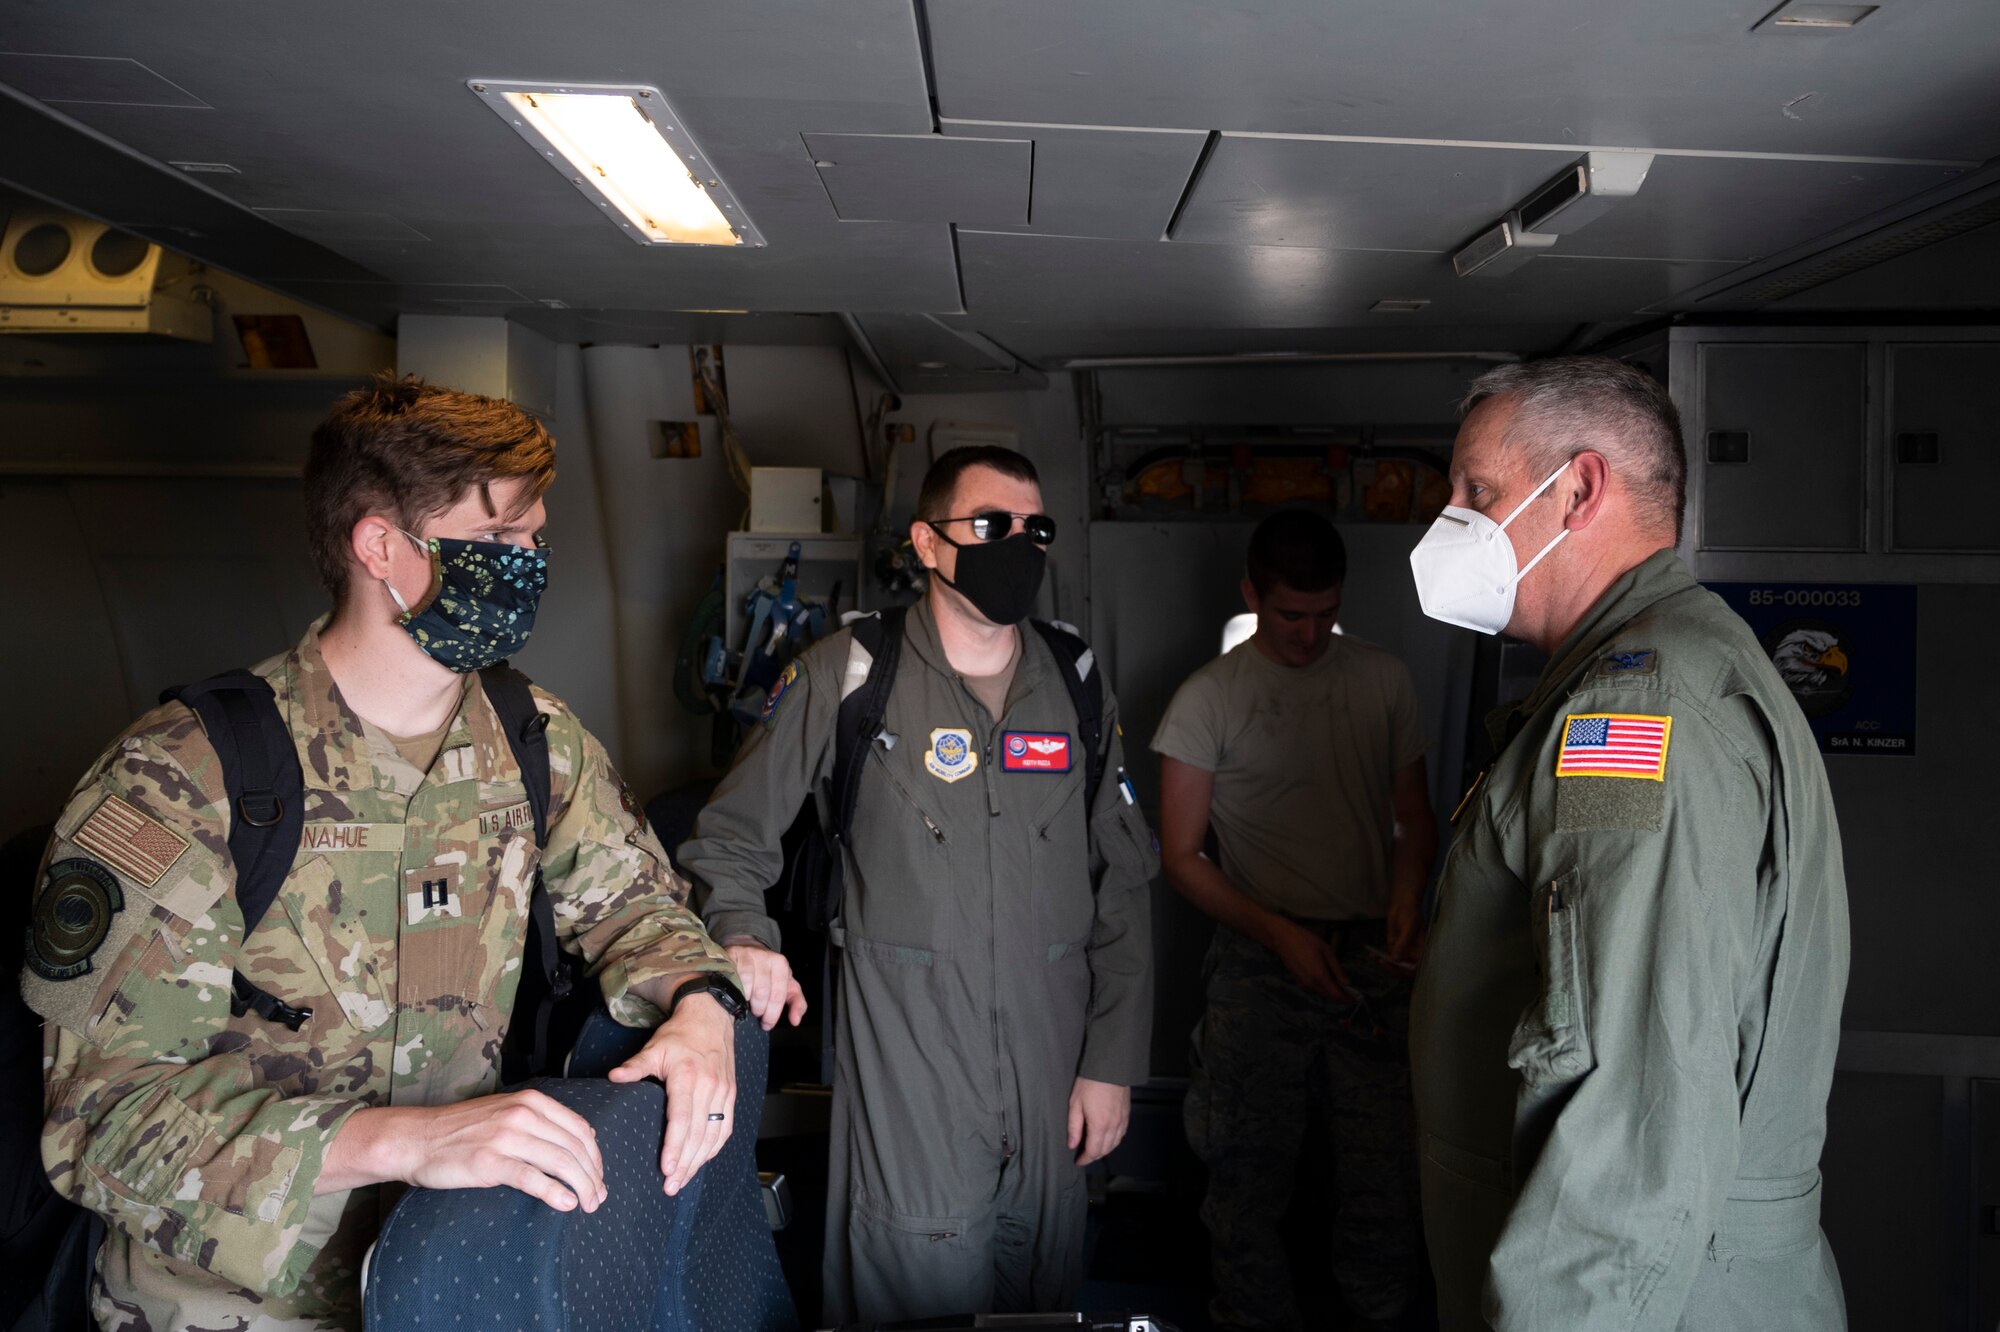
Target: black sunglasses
[(998, 525)]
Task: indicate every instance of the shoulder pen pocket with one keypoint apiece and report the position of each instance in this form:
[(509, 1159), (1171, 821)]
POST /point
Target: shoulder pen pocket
[(1552, 1040)]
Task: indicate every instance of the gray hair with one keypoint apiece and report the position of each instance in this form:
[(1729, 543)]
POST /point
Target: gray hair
[(1569, 404)]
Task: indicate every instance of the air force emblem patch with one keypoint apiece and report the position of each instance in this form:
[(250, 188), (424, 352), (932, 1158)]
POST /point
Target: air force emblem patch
[(951, 756)]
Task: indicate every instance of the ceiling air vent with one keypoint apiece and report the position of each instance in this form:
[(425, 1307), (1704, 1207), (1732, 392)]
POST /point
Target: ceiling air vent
[(1889, 243), (65, 274)]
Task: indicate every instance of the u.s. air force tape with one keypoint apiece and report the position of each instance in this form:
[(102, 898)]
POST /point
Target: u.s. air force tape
[(72, 917)]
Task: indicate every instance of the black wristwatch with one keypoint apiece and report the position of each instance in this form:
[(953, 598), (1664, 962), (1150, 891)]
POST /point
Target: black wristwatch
[(721, 988)]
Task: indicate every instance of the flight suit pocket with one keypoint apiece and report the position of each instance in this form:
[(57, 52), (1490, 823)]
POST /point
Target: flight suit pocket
[(906, 852), (1552, 1040), (1059, 878), (906, 1261)]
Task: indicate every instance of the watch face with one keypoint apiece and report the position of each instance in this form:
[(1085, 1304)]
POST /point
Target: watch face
[(729, 997), (719, 989)]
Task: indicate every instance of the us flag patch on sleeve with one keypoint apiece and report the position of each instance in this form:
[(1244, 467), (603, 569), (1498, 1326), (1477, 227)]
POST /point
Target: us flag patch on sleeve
[(127, 840), (1614, 744)]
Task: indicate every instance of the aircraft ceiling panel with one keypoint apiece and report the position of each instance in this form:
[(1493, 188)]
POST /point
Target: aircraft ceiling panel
[(1745, 208), (232, 53), (1356, 196), (1052, 346), (1962, 273), (1331, 194), (924, 177), (1120, 184), (1085, 283), (323, 120), (1910, 81), (677, 327), (115, 80)]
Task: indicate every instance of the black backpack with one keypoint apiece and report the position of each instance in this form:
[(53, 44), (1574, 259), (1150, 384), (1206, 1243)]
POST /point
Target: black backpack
[(814, 873)]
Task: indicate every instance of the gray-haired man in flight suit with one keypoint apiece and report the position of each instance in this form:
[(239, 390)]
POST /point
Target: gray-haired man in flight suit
[(994, 1000), (1625, 1029)]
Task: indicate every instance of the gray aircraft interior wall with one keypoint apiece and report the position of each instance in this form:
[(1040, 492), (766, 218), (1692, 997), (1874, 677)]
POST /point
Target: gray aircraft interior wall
[(155, 504), (158, 538), (1913, 1146), (1420, 391)]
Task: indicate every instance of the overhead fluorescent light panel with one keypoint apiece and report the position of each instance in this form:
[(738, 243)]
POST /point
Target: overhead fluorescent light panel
[(624, 147)]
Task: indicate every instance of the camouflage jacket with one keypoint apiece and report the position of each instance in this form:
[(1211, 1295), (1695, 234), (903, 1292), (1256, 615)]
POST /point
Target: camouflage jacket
[(199, 1136)]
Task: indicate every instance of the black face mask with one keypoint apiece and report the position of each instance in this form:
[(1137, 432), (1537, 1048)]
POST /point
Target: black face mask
[(999, 578)]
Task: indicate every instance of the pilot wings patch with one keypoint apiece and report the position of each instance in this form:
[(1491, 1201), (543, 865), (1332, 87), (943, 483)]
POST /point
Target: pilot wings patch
[(1034, 751)]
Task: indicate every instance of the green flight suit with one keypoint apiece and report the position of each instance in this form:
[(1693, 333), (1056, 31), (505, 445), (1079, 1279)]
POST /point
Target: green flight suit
[(994, 944), (199, 1135), (1625, 1027)]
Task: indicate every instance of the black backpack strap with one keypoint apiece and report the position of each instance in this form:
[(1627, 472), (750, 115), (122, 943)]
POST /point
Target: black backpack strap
[(260, 771), (1086, 693), (526, 728), (863, 707)]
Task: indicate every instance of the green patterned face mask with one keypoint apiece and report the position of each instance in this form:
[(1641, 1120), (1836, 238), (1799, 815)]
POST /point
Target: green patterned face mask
[(481, 603)]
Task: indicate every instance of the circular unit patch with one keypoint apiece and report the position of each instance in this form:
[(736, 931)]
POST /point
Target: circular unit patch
[(72, 917)]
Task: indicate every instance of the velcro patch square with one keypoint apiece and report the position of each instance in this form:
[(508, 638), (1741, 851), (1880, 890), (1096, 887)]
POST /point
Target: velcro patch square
[(134, 843), (1614, 744)]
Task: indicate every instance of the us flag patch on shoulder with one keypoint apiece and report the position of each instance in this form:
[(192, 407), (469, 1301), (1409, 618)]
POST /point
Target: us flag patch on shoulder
[(127, 840), (1614, 744)]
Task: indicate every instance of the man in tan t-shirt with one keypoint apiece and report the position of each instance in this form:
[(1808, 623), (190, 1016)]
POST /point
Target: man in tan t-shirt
[(1303, 750)]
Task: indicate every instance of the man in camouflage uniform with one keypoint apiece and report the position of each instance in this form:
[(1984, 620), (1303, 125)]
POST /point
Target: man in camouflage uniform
[(1305, 751), (240, 1165), (1626, 1025)]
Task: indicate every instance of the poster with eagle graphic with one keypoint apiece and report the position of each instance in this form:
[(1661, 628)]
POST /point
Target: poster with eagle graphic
[(1848, 653)]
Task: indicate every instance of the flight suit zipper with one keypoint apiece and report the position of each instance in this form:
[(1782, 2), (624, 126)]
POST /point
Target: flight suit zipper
[(936, 832), (976, 709)]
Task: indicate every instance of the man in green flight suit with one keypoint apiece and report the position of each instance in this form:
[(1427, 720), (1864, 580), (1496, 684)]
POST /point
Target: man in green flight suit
[(1624, 1032), (239, 1162), (994, 1001)]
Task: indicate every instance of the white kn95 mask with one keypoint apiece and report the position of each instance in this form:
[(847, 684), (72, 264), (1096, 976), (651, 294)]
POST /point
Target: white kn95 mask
[(1465, 568)]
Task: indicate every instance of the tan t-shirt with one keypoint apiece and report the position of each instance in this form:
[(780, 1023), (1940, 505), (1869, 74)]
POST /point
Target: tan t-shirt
[(420, 751), (991, 690), (1304, 761)]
